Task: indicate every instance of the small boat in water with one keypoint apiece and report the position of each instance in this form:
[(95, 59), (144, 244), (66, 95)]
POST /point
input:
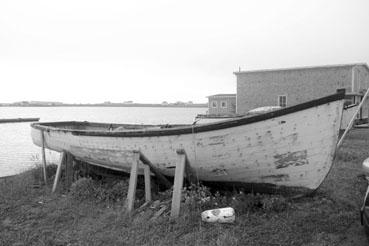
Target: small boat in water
[(290, 149), (17, 120)]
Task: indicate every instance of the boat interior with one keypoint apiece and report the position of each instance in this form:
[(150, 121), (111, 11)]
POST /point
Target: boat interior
[(110, 127)]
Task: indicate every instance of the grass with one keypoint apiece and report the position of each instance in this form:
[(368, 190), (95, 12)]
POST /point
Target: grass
[(92, 212)]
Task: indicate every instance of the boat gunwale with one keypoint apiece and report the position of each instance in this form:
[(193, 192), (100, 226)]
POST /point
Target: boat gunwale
[(190, 129)]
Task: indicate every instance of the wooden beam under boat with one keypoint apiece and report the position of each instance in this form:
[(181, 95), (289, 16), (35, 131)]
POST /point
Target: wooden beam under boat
[(16, 120)]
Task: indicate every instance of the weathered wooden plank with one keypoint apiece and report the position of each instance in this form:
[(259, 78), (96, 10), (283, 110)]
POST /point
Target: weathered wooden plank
[(158, 213), (163, 180), (132, 184), (43, 157), (178, 184), (147, 183), (62, 160)]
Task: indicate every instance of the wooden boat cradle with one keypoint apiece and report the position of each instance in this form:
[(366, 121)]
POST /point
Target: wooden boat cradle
[(182, 167)]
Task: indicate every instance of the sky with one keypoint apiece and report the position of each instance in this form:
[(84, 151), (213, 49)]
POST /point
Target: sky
[(88, 51)]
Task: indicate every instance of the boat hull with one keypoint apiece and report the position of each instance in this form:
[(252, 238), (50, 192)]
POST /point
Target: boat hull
[(293, 150), (347, 115)]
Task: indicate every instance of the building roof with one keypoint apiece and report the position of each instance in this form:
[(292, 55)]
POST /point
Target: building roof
[(302, 68), (222, 95)]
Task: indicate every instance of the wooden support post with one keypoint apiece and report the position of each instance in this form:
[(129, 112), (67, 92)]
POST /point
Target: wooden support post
[(178, 184), (190, 174), (153, 169), (43, 157), (132, 183), (147, 183), (68, 170), (58, 170)]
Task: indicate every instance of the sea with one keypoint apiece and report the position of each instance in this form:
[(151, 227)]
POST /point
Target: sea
[(18, 153)]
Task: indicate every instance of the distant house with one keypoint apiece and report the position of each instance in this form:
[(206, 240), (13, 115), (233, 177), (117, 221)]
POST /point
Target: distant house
[(179, 103), (222, 104), (22, 103), (291, 86)]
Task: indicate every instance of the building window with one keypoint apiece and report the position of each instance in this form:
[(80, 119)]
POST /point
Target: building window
[(282, 101), (214, 104), (223, 104)]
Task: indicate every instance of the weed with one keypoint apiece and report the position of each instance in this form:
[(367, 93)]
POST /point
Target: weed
[(89, 189), (111, 192), (347, 156), (37, 172), (197, 196), (82, 189)]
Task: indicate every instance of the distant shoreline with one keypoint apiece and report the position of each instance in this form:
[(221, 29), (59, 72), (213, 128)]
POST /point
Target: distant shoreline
[(116, 105)]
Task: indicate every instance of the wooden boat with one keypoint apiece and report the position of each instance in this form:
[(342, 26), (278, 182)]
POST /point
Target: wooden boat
[(348, 113), (290, 149)]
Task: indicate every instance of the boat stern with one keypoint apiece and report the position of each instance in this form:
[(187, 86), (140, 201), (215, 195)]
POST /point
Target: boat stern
[(36, 135)]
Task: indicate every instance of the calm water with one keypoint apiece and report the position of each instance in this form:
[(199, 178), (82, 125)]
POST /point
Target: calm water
[(17, 152)]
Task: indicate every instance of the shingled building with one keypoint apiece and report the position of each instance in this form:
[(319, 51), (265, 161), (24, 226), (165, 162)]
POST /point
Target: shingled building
[(222, 104), (290, 86)]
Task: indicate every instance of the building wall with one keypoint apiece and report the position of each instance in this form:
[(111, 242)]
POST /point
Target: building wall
[(229, 110), (362, 79), (362, 75), (257, 89)]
